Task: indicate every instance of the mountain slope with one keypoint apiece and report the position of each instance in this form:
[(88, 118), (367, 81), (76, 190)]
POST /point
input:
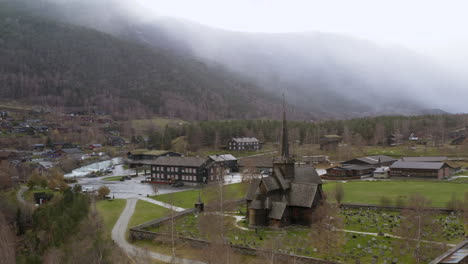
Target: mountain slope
[(44, 61)]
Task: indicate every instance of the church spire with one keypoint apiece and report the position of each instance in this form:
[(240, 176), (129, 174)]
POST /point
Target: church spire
[(284, 134)]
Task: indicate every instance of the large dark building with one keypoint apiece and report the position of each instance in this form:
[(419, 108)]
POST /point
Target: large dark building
[(374, 161), (421, 169), (190, 170), (288, 196), (243, 144), (225, 161)]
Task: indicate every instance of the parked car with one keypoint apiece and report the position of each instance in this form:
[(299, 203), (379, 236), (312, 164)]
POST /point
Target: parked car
[(178, 184)]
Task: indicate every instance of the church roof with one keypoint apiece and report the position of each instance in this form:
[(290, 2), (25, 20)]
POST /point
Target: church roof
[(302, 194), (307, 174), (270, 184), (277, 210), (252, 191)]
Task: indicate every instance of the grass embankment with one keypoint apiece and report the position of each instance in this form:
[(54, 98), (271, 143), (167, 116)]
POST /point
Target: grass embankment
[(145, 212), (187, 199), (371, 192), (110, 210), (113, 178)]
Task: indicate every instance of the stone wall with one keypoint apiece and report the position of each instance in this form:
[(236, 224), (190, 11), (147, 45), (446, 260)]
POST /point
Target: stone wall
[(388, 207)]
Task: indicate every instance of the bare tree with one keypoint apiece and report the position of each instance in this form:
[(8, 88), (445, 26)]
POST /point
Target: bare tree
[(7, 242), (418, 230), (326, 235), (339, 192)]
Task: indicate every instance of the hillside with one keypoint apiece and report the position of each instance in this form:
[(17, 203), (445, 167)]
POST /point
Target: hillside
[(58, 64)]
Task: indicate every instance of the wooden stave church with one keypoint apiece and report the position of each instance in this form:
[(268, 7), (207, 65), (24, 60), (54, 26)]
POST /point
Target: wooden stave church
[(289, 196)]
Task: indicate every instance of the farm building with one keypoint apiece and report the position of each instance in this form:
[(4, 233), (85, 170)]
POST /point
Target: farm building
[(259, 164), (289, 196), (374, 161), (349, 171), (330, 142), (421, 169), (226, 161), (145, 154), (243, 143), (315, 159), (381, 173), (424, 159)]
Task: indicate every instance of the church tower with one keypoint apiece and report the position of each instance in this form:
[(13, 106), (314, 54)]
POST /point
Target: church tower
[(284, 162)]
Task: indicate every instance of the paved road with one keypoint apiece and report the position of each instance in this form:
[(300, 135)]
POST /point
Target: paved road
[(118, 235)]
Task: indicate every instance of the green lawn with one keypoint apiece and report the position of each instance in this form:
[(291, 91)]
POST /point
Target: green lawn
[(187, 199), (371, 192), (145, 212), (110, 211), (112, 178)]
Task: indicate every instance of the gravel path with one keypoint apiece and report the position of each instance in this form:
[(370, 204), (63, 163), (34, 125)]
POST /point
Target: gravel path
[(118, 236), (166, 205)]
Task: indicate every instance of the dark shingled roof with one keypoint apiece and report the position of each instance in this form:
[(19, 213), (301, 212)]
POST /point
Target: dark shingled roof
[(256, 204), (258, 162), (417, 165), (277, 210), (372, 160), (307, 174), (424, 159), (252, 191), (302, 194), (72, 150), (270, 184), (282, 181), (177, 161)]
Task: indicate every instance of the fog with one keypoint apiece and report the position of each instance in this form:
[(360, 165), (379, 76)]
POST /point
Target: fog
[(365, 57)]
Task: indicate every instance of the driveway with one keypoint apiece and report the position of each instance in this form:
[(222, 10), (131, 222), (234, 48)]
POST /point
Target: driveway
[(118, 236)]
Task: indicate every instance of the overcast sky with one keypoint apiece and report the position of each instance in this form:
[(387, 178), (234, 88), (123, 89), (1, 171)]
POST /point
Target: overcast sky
[(425, 25)]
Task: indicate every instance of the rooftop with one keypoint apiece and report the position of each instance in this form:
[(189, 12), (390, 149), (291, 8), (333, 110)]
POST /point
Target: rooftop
[(245, 139), (417, 165), (177, 161)]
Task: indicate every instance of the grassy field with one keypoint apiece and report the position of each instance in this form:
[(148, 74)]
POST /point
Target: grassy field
[(298, 239), (371, 192), (145, 212), (187, 199), (110, 210), (112, 178)]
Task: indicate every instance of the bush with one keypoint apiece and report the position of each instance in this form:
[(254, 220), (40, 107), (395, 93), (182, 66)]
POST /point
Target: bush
[(103, 191), (385, 201)]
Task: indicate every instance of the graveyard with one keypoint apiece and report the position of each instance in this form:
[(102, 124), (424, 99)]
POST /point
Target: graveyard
[(369, 235)]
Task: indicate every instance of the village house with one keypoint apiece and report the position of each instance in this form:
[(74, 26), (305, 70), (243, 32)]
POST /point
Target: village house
[(145, 154), (189, 170), (226, 161), (72, 153), (421, 169), (243, 143), (289, 196), (394, 139), (116, 141), (94, 146), (38, 147), (262, 165), (330, 142)]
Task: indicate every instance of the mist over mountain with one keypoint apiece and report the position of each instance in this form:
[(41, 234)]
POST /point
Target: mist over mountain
[(323, 75)]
